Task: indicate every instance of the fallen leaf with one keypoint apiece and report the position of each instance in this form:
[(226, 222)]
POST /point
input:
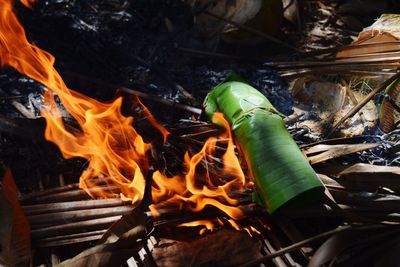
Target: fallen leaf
[(220, 248), (379, 176), (381, 39), (326, 152), (15, 246)]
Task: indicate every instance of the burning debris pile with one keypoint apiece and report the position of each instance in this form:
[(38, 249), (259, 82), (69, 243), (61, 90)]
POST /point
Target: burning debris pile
[(125, 188)]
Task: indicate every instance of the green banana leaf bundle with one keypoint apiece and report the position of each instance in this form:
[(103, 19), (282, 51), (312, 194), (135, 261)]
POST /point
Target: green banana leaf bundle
[(279, 169)]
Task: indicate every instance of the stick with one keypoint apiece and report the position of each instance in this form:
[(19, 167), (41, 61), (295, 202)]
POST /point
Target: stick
[(72, 205), (149, 97), (193, 110), (58, 218), (70, 239), (74, 194), (76, 227), (49, 192), (202, 53)]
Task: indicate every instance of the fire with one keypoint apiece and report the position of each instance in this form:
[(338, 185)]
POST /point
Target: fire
[(207, 225), (113, 148), (195, 190), (106, 139)]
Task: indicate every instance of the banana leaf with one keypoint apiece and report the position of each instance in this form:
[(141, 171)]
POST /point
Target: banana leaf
[(277, 166)]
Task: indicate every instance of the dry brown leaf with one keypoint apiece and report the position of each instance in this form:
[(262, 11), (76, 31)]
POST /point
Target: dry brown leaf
[(327, 181), (382, 202), (15, 246), (360, 176), (379, 176), (384, 34), (371, 169), (220, 248), (326, 152)]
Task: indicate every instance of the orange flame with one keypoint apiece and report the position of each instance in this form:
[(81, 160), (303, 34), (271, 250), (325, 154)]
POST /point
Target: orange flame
[(106, 139), (109, 142), (207, 225), (190, 192)]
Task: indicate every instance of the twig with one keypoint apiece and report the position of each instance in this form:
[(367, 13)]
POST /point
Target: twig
[(191, 109), (363, 102), (251, 30), (220, 55), (150, 97)]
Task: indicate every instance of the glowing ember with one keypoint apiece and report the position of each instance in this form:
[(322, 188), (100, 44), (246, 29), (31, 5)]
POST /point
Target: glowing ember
[(112, 146)]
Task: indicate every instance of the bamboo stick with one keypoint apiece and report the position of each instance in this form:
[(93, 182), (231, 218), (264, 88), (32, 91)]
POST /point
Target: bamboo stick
[(101, 180), (70, 239), (77, 194), (49, 192), (58, 218), (72, 205), (75, 227)]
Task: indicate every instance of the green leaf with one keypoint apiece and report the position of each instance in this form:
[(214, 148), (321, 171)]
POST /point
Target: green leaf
[(280, 171)]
